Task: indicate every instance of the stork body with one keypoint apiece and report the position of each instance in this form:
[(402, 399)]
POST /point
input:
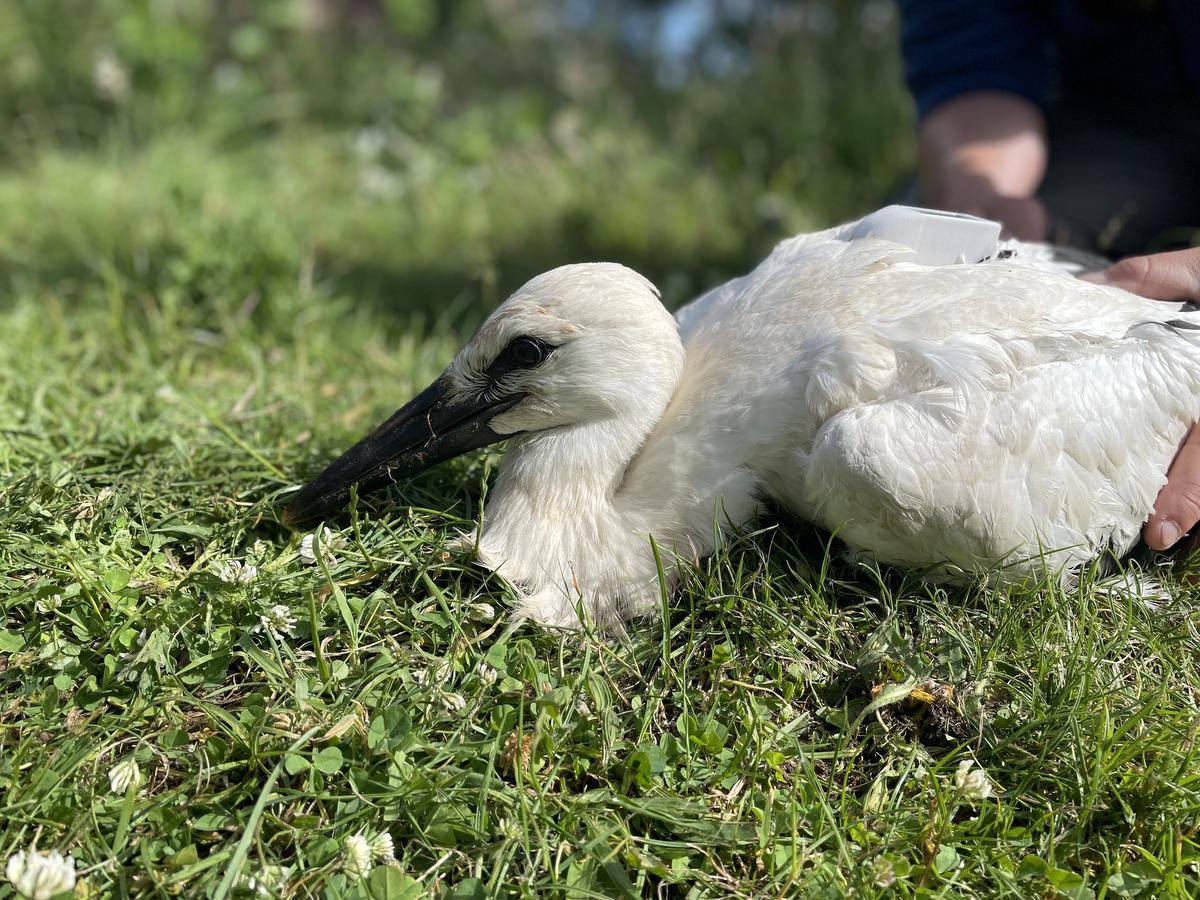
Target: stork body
[(1001, 417)]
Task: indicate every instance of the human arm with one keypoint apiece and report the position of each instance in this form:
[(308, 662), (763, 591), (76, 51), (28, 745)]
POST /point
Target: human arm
[(984, 153), (978, 74)]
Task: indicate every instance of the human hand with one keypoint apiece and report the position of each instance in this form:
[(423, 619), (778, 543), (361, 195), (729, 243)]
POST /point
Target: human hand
[(1166, 276), (1159, 276)]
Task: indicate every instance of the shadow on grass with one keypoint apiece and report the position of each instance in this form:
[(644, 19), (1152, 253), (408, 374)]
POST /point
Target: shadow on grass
[(460, 296)]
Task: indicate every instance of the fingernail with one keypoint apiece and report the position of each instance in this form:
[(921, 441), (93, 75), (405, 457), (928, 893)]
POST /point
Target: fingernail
[(1095, 277), (1169, 533)]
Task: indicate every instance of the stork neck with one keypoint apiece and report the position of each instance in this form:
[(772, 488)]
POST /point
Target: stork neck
[(572, 470), (572, 511), (558, 525)]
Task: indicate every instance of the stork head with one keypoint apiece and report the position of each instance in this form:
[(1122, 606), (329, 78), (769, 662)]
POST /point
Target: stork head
[(568, 348)]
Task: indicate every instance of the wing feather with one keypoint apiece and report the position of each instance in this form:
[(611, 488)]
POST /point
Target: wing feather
[(1063, 462)]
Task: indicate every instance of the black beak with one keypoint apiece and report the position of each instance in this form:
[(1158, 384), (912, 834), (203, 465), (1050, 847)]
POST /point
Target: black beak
[(424, 432)]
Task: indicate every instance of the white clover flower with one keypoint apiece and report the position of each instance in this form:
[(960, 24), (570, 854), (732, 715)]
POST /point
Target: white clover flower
[(269, 881), (884, 872), (487, 674), (356, 856), (972, 782), (369, 143), (277, 621), (307, 553), (435, 675), (47, 604), (110, 77), (378, 183), (482, 612), (40, 875), (454, 702), (327, 541), (383, 848), (124, 775), (237, 572), (508, 829)]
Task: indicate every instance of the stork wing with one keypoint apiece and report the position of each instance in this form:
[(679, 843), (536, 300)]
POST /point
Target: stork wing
[(1002, 412), (1056, 463)]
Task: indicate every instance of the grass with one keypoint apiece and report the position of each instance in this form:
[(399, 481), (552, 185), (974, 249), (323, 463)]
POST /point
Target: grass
[(756, 744), (193, 320)]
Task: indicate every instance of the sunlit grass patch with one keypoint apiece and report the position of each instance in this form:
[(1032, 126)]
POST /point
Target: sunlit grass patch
[(799, 725)]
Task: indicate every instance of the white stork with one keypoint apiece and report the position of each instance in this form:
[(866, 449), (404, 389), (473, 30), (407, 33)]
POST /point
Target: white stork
[(994, 417)]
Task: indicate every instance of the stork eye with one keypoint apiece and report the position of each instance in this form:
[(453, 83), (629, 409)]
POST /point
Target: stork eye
[(527, 352)]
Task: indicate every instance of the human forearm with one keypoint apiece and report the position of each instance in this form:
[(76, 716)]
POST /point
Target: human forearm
[(984, 138), (984, 153)]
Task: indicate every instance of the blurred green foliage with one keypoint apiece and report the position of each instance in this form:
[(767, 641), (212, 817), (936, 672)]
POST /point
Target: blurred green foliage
[(422, 151)]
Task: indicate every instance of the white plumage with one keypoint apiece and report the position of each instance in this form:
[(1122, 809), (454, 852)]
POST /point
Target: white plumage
[(998, 417)]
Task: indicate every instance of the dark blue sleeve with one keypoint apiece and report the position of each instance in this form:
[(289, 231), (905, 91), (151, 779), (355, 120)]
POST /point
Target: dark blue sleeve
[(954, 46)]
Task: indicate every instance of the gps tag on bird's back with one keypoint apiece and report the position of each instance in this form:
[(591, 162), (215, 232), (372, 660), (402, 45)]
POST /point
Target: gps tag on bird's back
[(937, 238)]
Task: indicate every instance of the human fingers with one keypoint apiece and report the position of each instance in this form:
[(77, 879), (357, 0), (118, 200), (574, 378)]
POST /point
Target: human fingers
[(1159, 276), (1177, 509)]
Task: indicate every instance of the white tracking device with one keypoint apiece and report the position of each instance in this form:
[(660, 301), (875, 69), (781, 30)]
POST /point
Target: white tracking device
[(938, 238)]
